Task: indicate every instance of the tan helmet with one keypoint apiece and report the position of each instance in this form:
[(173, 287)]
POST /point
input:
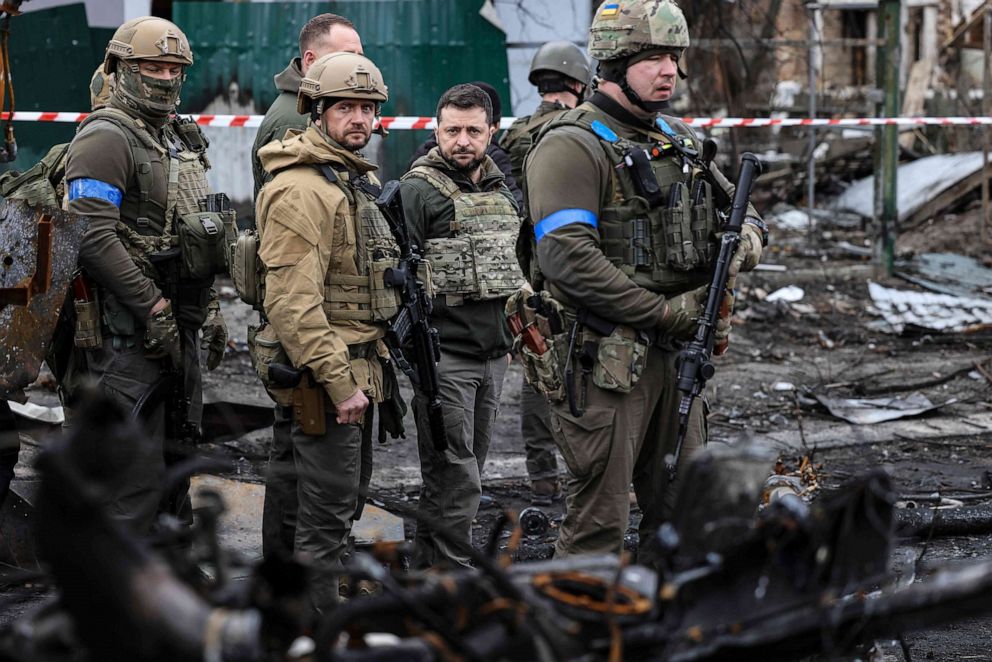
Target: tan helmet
[(621, 29), (100, 86), (341, 76), (148, 38)]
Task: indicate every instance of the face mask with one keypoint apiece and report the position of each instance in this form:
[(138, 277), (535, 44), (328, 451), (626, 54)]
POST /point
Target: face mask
[(154, 97)]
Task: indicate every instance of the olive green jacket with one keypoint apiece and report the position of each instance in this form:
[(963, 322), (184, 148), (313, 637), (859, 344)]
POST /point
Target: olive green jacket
[(477, 328), (568, 170), (280, 117)]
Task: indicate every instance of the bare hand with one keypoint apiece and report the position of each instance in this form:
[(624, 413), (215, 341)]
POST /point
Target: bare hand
[(353, 409), (159, 305)]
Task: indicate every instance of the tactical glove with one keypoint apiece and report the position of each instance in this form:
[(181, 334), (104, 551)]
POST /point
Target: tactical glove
[(721, 335), (748, 252), (681, 313), (214, 335), (162, 337)]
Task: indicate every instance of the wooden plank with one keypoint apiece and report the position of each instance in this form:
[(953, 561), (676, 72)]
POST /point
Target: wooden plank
[(920, 75)]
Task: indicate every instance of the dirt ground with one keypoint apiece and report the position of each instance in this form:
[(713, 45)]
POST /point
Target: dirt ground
[(781, 356)]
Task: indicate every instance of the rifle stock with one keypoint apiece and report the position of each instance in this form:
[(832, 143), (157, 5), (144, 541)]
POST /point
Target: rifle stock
[(410, 331), (694, 365)]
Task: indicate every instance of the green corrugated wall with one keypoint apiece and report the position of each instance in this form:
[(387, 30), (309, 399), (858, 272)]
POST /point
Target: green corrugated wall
[(422, 47), (53, 54)]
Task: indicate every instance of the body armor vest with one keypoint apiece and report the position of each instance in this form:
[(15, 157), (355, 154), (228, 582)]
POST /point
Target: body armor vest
[(663, 238), (375, 251), (146, 225), (478, 261), (148, 228)]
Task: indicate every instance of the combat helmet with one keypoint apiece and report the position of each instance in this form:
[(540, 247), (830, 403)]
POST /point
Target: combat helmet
[(147, 38), (340, 76), (624, 32), (554, 60)]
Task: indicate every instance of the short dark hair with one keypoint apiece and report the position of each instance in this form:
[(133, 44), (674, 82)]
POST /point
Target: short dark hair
[(318, 26), (466, 96)]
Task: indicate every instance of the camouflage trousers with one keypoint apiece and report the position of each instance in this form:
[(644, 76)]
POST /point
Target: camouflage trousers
[(452, 480), (622, 438), (535, 428)]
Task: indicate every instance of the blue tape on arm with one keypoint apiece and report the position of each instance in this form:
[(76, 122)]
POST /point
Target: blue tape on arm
[(564, 217), (94, 188)]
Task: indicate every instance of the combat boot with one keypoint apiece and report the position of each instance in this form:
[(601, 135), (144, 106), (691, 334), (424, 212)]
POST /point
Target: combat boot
[(544, 490)]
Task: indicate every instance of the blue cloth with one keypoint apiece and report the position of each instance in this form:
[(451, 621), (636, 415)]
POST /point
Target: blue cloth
[(94, 188), (564, 217), (604, 132)]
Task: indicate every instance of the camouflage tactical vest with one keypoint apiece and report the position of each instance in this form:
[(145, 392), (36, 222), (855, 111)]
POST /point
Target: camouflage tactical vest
[(375, 251), (520, 137), (477, 262), (667, 247)]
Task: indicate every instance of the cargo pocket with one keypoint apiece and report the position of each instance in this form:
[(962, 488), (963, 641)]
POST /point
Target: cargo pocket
[(584, 442), (264, 349)]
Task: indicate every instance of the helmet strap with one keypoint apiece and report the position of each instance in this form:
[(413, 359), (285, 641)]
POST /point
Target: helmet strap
[(615, 71)]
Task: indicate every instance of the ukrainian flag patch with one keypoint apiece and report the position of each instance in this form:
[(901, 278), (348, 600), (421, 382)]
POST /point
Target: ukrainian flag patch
[(611, 9)]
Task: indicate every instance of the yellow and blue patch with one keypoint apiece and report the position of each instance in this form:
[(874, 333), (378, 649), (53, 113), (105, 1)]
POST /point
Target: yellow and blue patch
[(611, 9)]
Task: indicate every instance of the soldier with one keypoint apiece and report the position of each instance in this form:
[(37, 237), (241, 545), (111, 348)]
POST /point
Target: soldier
[(633, 271), (325, 244), (560, 72), (139, 174), (322, 34), (459, 209)]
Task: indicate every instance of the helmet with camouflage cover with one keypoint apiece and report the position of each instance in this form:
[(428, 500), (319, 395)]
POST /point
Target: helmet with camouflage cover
[(624, 33), (560, 57), (147, 39), (622, 29), (338, 76), (100, 85)]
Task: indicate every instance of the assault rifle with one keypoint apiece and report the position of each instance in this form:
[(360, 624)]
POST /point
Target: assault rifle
[(694, 365), (411, 326)]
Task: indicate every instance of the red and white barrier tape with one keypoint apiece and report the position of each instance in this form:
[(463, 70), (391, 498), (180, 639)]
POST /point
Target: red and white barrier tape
[(410, 123)]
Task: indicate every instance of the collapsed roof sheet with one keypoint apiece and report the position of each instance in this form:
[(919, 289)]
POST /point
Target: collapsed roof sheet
[(917, 183), (927, 310)]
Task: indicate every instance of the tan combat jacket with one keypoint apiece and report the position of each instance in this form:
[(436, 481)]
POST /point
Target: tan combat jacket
[(307, 228)]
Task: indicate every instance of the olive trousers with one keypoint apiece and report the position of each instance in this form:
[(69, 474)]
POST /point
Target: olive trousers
[(452, 479), (622, 438), (535, 428), (333, 471)]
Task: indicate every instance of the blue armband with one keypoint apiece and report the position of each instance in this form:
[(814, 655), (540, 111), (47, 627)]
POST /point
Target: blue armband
[(564, 217), (94, 188)]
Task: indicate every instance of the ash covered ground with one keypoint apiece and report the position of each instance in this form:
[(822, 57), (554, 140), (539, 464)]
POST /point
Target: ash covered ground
[(782, 356)]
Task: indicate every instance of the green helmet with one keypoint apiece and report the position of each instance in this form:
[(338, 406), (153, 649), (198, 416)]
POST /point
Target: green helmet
[(621, 29), (561, 57)]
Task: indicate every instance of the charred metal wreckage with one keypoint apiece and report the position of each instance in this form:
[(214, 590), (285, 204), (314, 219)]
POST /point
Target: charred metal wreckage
[(791, 580)]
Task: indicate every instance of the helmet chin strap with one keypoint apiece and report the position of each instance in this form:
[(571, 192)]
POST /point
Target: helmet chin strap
[(634, 98), (615, 71)]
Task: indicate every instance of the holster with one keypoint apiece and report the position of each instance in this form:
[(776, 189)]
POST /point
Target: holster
[(309, 407)]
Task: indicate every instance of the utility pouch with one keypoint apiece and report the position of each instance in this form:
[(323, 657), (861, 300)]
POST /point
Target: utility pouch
[(264, 349), (543, 371), (704, 223), (642, 174), (117, 318), (385, 301), (203, 243), (620, 360), (676, 230), (87, 334), (246, 270)]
